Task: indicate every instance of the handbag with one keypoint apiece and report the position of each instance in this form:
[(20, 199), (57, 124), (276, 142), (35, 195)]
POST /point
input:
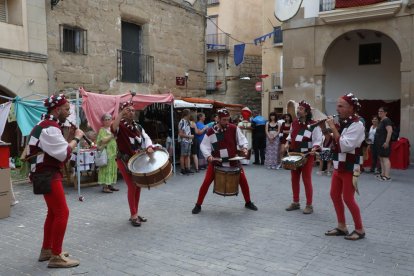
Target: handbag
[(42, 182), (101, 158)]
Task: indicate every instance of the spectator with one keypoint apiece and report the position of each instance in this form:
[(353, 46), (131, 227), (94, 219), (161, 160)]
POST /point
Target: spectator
[(259, 139), (169, 145), (382, 143), (326, 155), (185, 138), (107, 175), (195, 147), (235, 119), (284, 130), (246, 128), (202, 128), (272, 142), (214, 120), (375, 166)]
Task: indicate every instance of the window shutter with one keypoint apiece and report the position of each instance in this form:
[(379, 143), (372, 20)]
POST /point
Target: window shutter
[(3, 11)]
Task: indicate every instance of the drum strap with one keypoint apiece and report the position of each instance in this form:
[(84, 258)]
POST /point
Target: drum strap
[(124, 158)]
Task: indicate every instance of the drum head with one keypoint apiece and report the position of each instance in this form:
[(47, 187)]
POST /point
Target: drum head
[(292, 158), (147, 163), (228, 169)]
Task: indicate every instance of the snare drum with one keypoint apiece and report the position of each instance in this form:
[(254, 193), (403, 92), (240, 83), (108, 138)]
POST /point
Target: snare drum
[(294, 161), (226, 181), (150, 170)]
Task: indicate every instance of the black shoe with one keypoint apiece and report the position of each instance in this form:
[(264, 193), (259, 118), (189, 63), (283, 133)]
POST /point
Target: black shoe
[(256, 163), (188, 171), (250, 205), (183, 172), (196, 209), (135, 222)]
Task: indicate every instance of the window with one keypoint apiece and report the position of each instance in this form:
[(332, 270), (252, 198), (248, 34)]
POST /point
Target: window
[(133, 66), (370, 54), (211, 30), (73, 40), (3, 11), (278, 35)]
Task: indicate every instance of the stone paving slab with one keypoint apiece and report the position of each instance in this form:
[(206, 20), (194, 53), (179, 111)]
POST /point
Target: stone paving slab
[(225, 238)]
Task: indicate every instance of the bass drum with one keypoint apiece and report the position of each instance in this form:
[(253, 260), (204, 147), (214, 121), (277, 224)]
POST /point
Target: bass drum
[(150, 170), (226, 181)]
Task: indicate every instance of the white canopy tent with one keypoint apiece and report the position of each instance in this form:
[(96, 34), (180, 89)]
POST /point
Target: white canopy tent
[(184, 104)]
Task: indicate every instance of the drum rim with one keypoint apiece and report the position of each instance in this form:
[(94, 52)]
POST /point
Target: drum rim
[(153, 172), (156, 183), (238, 169), (136, 155)]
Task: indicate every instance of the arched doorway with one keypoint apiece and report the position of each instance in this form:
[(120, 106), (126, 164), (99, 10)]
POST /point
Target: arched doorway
[(366, 63)]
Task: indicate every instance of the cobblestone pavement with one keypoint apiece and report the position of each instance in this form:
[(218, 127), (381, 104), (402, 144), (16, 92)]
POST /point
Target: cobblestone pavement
[(225, 238)]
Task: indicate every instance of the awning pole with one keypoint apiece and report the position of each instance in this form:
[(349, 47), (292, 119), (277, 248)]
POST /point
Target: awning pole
[(78, 146), (173, 136)]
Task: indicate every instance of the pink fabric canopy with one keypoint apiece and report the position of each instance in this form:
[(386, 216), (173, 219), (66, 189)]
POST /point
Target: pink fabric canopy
[(95, 105)]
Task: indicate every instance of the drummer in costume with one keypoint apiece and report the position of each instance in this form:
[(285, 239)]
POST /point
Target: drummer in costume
[(347, 161), (130, 138), (303, 139), (47, 152), (220, 142)]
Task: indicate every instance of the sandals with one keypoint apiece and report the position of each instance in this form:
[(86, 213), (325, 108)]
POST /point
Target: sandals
[(112, 188), (350, 237), (140, 219), (107, 190), (336, 232), (135, 222)]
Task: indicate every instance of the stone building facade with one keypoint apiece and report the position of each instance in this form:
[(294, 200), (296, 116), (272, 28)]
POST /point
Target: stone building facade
[(233, 22), (114, 46), (368, 50), (23, 56), (273, 97)]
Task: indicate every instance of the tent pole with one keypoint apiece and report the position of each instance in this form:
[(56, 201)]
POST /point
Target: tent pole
[(78, 146), (173, 136)]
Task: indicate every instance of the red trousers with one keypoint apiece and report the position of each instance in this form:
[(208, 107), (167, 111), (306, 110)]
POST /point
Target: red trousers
[(306, 172), (134, 191), (209, 179), (342, 191), (56, 219)]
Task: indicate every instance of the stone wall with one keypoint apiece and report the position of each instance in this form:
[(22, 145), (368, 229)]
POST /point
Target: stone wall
[(172, 32), (243, 91)]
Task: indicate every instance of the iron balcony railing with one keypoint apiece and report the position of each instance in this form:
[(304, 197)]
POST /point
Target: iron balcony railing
[(217, 42), (277, 79), (328, 5), (212, 2), (134, 67)]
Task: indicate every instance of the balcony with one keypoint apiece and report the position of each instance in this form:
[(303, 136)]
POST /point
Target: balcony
[(134, 67), (217, 42), (277, 79), (212, 2), (215, 84), (330, 13)]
